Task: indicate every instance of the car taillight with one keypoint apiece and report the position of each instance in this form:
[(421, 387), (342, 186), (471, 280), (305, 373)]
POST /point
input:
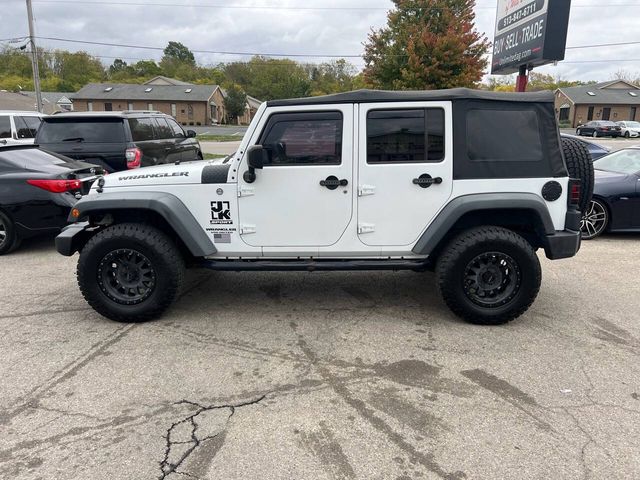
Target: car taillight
[(133, 156), (575, 191), (56, 186)]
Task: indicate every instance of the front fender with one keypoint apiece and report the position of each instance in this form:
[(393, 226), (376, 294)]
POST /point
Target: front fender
[(168, 206)]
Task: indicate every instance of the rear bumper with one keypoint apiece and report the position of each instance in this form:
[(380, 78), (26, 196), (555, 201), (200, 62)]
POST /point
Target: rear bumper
[(562, 244), (71, 238), (565, 243)]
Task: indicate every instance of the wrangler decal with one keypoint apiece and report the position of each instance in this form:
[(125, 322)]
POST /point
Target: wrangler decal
[(154, 175)]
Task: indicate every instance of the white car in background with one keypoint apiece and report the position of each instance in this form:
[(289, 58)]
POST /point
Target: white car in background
[(630, 129), (18, 128)]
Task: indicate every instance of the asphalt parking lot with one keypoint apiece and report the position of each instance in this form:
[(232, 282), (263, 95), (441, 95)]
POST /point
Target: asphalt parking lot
[(322, 376)]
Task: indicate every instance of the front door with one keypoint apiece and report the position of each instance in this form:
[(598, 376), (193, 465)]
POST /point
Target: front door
[(405, 170), (287, 205), (606, 113)]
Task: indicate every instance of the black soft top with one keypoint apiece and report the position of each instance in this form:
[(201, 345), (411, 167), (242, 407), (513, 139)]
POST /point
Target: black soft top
[(453, 94)]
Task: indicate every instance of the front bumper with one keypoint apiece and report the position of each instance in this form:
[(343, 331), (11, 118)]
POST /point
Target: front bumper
[(71, 238)]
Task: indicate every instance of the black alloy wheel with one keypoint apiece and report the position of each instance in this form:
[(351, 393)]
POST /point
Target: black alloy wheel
[(492, 279), (126, 276)]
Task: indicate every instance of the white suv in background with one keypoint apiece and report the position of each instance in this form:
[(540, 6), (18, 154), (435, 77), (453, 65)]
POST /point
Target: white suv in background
[(18, 128), (630, 129)]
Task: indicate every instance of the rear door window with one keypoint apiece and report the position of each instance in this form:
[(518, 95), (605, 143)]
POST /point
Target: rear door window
[(405, 136), (5, 127), (82, 131), (27, 127), (142, 129)]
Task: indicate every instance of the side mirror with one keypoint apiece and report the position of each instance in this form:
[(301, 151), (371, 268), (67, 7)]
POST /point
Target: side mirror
[(191, 134), (257, 157)]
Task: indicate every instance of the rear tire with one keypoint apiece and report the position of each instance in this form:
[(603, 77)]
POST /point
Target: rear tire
[(595, 134), (130, 272), (579, 165), (9, 239), (579, 132), (488, 275)]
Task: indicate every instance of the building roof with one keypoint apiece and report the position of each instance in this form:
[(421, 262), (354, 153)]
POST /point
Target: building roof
[(51, 97), (162, 80), (253, 102), (615, 92), (126, 91), (365, 96), (16, 101)]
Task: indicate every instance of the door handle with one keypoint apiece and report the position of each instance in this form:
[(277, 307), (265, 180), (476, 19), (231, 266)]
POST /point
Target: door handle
[(4, 142), (333, 182), (425, 180)]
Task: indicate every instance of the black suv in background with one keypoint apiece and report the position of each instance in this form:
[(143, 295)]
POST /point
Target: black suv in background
[(118, 140)]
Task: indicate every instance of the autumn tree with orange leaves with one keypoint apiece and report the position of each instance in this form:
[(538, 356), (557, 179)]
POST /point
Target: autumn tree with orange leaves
[(427, 44)]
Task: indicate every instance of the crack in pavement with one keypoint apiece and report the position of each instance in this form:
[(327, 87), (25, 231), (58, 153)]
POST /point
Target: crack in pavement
[(167, 467), (427, 460)]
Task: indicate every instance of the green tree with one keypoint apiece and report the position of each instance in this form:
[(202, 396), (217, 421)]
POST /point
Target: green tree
[(235, 101), (332, 77), (178, 61), (427, 44)]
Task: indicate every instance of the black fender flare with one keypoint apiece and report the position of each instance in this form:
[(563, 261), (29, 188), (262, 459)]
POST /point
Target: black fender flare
[(168, 206), (460, 206)]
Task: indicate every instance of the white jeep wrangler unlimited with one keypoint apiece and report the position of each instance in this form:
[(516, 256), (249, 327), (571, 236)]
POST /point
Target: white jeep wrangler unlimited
[(469, 184)]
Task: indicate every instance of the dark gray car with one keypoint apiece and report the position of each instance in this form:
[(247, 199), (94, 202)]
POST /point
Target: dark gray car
[(119, 141)]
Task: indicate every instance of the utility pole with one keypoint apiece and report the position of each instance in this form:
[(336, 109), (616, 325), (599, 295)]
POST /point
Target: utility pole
[(34, 58)]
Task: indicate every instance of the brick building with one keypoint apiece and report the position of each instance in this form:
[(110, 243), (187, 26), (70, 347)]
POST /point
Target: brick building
[(615, 100), (188, 104)]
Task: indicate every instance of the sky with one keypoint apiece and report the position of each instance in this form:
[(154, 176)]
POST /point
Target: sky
[(305, 27)]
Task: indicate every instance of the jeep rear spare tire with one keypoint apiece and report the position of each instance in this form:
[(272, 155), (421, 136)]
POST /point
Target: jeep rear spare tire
[(130, 272), (488, 275), (579, 165)]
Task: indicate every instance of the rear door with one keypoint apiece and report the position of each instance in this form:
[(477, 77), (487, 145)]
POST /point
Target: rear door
[(405, 170), (144, 136), (166, 140)]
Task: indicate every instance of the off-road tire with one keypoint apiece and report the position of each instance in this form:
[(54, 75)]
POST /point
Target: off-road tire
[(579, 165), (461, 252), (163, 255), (9, 241)]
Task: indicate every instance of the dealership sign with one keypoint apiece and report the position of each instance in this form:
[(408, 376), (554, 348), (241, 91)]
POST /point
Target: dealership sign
[(529, 32)]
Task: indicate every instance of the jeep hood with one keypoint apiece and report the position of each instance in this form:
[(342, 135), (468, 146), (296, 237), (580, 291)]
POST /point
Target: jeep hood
[(171, 174)]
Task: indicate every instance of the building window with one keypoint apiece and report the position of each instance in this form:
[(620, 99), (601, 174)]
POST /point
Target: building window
[(564, 114), (174, 110), (129, 106), (90, 106), (590, 114), (190, 109), (633, 113), (108, 107), (149, 106)]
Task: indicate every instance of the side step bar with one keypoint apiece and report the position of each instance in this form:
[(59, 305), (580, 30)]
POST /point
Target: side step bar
[(312, 265)]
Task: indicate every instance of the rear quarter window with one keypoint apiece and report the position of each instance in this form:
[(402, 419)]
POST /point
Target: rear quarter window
[(503, 135), (84, 130)]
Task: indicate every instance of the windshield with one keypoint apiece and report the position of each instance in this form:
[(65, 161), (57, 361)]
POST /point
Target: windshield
[(624, 161), (81, 131), (633, 124)]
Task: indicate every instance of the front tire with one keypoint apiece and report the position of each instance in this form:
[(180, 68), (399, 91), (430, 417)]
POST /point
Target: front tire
[(627, 135), (9, 239), (488, 275), (130, 272), (579, 132)]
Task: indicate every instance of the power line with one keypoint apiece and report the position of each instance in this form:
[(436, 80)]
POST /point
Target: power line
[(143, 47), (297, 55)]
